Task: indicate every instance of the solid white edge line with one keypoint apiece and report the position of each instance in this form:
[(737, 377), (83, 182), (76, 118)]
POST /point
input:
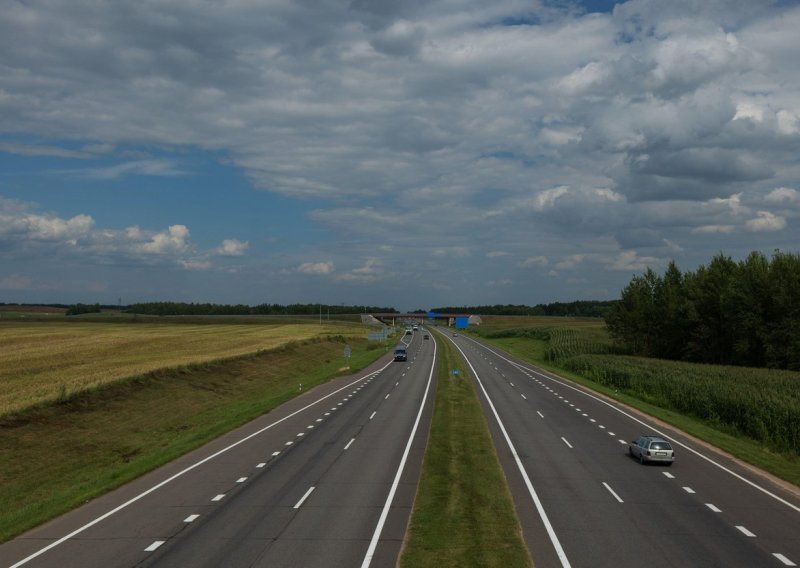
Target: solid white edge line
[(373, 543), (129, 502), (782, 558), (617, 497), (350, 443), (539, 508), (650, 427), (303, 498)]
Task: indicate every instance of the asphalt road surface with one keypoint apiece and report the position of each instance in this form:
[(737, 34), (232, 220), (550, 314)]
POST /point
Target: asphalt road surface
[(327, 479), (583, 501)]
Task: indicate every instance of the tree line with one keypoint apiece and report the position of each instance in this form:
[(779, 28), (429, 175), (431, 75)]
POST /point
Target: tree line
[(734, 313), (580, 308), (206, 309)]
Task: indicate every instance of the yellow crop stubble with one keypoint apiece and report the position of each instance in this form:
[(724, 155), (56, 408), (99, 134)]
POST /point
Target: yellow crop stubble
[(39, 362)]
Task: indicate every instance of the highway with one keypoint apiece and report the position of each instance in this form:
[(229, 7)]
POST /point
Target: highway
[(583, 502), (327, 479)]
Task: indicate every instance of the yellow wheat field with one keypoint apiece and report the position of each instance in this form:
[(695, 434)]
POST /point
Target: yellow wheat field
[(39, 362)]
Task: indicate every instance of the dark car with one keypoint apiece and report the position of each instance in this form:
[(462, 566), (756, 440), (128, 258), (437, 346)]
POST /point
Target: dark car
[(426, 336), (652, 449), (400, 354)]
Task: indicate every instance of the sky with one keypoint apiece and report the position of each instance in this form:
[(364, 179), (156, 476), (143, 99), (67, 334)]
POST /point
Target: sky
[(411, 154)]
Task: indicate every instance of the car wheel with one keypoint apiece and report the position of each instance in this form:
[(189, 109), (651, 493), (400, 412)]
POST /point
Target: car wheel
[(669, 464), (641, 459)]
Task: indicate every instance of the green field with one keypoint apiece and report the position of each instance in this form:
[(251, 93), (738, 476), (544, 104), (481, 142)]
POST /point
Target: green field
[(56, 455), (42, 362), (751, 413)]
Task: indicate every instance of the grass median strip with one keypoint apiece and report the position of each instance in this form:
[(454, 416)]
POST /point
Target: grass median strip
[(56, 456), (463, 514)]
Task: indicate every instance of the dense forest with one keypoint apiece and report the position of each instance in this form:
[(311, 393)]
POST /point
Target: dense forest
[(581, 308), (737, 313), (191, 309)]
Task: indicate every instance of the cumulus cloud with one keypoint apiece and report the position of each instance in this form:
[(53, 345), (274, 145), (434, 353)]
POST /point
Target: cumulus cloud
[(371, 271), (173, 240), (630, 261), (657, 128), (533, 261), (316, 268), (26, 233), (766, 222), (232, 247), (783, 195)]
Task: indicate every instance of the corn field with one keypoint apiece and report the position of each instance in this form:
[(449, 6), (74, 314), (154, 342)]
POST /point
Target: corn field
[(566, 342), (761, 404)]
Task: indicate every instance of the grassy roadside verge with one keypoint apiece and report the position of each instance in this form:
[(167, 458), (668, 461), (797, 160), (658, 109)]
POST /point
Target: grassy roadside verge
[(463, 514), (786, 467), (55, 457)]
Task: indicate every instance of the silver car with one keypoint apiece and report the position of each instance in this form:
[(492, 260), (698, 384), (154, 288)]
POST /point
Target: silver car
[(652, 449)]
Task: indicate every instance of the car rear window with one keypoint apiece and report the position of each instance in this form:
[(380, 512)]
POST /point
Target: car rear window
[(660, 446)]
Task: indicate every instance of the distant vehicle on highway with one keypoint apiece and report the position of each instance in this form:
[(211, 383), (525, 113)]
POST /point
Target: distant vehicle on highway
[(409, 332), (400, 354), (426, 336), (652, 449), (455, 335)]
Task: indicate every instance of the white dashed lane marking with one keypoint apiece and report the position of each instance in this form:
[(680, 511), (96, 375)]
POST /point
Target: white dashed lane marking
[(617, 497), (154, 546), (303, 498), (783, 559)]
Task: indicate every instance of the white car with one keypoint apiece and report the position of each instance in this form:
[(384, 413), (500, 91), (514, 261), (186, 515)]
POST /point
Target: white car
[(652, 449)]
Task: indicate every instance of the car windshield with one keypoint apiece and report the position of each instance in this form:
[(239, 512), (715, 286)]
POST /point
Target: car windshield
[(660, 446)]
